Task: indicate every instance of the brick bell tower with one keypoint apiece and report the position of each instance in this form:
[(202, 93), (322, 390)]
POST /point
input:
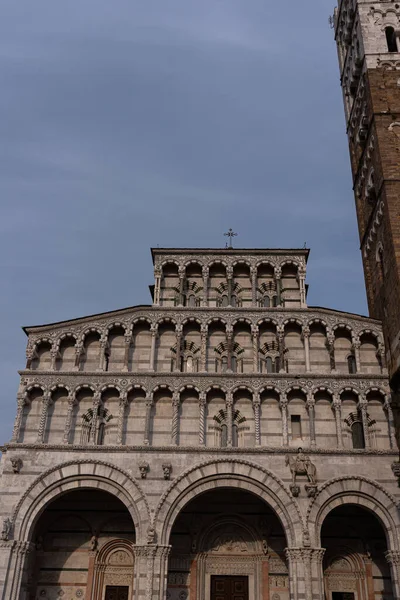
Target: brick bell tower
[(368, 43)]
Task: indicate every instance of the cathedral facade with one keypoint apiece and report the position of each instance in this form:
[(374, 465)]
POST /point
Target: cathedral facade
[(226, 442)]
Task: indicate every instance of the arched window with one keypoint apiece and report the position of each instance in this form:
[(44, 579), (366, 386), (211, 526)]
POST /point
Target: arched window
[(269, 364), (391, 39), (274, 301), (266, 302), (234, 300), (357, 435), (224, 301), (192, 301), (234, 364), (224, 436), (224, 364), (235, 435), (351, 364)]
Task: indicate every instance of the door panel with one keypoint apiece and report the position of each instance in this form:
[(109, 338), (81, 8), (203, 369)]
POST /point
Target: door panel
[(227, 587), (117, 592)]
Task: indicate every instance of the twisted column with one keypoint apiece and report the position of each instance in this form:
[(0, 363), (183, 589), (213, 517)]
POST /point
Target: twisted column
[(254, 333), (253, 273), (153, 331), (68, 419), (389, 415), (205, 273), (229, 417), (149, 404), (310, 404), (306, 340), (283, 405), (202, 418), (43, 418), (256, 408), (123, 403), (95, 410), (362, 406), (203, 349), (175, 418), (127, 343), (337, 408), (21, 400), (229, 278)]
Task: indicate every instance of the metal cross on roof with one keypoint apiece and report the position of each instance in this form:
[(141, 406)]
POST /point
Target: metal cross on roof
[(230, 235)]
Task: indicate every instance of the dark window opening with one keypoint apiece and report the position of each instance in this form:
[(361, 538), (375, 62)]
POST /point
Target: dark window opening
[(357, 434), (351, 363), (296, 426), (391, 39)]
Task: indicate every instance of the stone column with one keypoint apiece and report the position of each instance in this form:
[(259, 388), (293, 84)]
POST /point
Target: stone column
[(393, 558), (256, 408), (283, 405), (203, 349), (127, 342), (389, 416), (278, 282), (178, 355), (157, 285), (46, 400), (160, 572), (202, 418), (302, 285), (337, 408), (311, 416), (182, 273), (281, 347), (363, 406), (175, 418), (254, 333), (229, 278), (253, 273), (95, 409), (149, 405), (229, 417), (306, 340), (317, 572), (153, 331), (305, 573), (30, 353), (297, 574), (17, 566), (330, 344), (205, 273), (68, 420), (229, 348), (78, 354), (102, 357), (123, 403), (54, 353), (21, 400), (356, 348)]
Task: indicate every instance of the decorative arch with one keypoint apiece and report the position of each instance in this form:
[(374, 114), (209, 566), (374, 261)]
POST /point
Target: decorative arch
[(60, 386), (82, 474), (162, 386), (66, 335), (110, 386), (84, 386), (216, 386), (355, 490), (189, 386), (136, 386), (291, 320), (115, 324), (223, 473)]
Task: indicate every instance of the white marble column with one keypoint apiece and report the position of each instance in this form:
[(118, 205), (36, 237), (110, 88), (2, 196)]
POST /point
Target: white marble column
[(203, 349), (68, 421), (280, 332), (205, 273), (337, 409), (256, 409), (127, 345), (363, 407), (149, 405), (182, 277), (46, 400), (356, 348), (178, 355), (253, 273), (229, 278), (202, 418), (306, 341), (283, 405), (330, 344), (278, 282), (78, 355), (54, 354), (154, 333), (103, 348), (302, 285), (311, 416), (157, 286), (255, 337), (95, 410), (123, 403), (21, 401)]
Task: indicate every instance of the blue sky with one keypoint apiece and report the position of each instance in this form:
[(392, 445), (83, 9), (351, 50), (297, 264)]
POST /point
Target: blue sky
[(135, 123)]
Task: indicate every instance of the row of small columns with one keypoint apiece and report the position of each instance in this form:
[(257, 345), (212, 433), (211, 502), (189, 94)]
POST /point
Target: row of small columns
[(204, 332), (283, 403), (229, 277)]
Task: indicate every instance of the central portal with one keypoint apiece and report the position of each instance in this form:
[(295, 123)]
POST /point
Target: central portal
[(229, 587), (117, 592)]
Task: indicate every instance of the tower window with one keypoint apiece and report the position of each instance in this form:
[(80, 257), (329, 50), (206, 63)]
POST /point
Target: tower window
[(357, 435), (391, 39), (267, 302), (296, 426), (351, 363)]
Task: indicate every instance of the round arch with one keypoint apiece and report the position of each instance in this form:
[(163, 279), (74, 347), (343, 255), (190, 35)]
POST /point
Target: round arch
[(81, 474), (225, 473), (362, 492)]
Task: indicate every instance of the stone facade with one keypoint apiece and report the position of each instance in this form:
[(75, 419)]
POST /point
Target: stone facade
[(155, 451), (367, 35)]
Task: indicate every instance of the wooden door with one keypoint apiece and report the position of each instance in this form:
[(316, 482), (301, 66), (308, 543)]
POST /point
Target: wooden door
[(117, 592), (227, 587)]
